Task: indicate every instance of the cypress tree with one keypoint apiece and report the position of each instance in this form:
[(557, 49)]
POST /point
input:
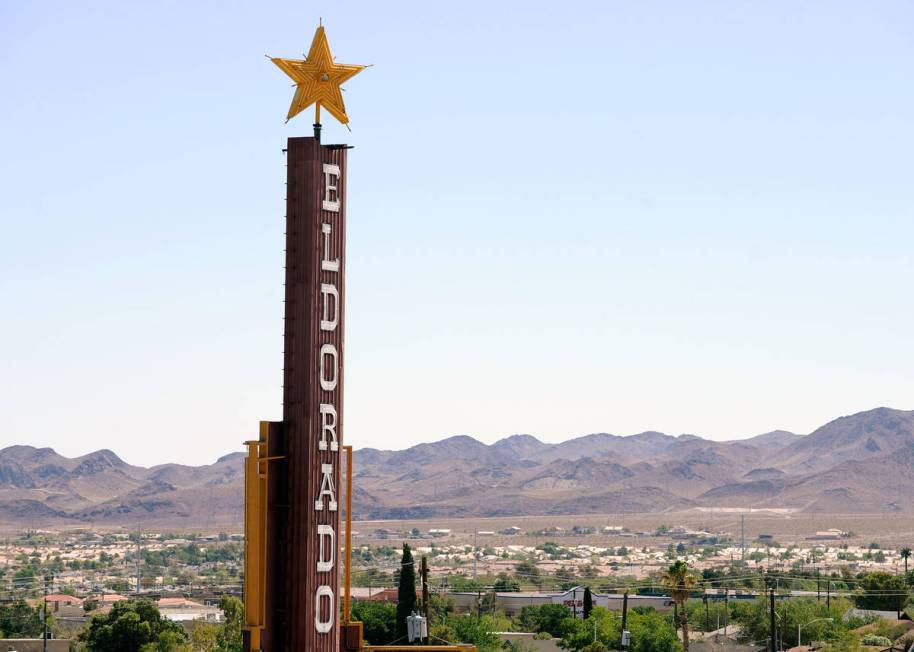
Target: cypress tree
[(406, 591), (588, 602)]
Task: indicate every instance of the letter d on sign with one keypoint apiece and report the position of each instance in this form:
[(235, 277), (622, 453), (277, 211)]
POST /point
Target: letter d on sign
[(324, 532)]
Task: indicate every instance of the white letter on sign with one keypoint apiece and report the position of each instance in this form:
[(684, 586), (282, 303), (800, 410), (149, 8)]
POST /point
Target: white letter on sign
[(325, 565), (329, 318), (323, 626), (326, 264), (328, 426), (328, 385), (331, 196), (326, 489)]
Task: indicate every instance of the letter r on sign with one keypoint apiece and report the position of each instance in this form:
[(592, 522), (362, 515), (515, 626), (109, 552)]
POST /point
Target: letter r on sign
[(328, 427)]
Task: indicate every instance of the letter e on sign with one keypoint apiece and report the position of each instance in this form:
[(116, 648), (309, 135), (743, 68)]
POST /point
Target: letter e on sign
[(331, 195)]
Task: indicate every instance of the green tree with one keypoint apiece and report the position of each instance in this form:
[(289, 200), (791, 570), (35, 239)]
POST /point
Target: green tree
[(168, 641), (128, 627), (596, 646), (205, 638), (679, 580), (543, 618), (527, 572), (440, 607), (504, 583), (406, 591), (905, 555), (479, 632), (650, 631), (378, 620), (229, 637), (603, 626), (19, 620), (588, 602), (882, 591), (441, 632), (754, 619), (706, 615)]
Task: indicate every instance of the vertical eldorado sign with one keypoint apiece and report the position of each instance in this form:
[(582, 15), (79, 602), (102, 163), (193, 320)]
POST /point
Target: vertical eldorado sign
[(292, 501), (313, 391)]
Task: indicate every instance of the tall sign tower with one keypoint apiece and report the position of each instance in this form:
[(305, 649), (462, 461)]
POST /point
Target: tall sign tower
[(292, 483)]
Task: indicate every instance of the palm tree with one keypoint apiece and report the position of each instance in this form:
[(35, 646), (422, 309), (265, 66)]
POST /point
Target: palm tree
[(905, 554), (680, 581)]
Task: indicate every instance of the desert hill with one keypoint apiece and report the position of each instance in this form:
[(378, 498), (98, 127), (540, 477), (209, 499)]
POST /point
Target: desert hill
[(858, 463)]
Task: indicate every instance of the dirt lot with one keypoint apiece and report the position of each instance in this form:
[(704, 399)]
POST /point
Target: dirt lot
[(786, 527)]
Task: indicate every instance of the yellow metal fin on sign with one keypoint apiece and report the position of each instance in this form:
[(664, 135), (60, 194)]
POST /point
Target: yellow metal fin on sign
[(255, 535)]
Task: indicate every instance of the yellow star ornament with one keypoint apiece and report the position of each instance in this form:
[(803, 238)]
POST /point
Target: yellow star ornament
[(318, 79)]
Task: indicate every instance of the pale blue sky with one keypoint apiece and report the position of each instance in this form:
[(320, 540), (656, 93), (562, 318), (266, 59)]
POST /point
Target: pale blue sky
[(563, 218)]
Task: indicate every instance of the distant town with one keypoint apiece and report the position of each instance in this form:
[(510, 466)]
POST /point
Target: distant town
[(83, 573)]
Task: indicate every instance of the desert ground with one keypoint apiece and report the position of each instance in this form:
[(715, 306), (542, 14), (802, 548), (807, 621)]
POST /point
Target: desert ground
[(784, 525)]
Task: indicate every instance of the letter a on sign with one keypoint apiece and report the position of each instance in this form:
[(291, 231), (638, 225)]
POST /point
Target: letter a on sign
[(326, 490)]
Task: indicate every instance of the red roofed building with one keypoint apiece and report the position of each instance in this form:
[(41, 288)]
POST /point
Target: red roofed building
[(58, 600)]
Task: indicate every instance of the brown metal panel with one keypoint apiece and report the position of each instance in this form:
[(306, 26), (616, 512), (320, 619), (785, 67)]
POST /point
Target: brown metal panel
[(293, 577), (276, 540)]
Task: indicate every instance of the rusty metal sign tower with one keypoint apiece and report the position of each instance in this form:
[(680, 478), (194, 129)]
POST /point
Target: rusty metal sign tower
[(293, 495), (293, 471)]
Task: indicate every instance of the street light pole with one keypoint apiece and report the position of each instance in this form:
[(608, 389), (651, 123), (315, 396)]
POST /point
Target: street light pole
[(800, 628)]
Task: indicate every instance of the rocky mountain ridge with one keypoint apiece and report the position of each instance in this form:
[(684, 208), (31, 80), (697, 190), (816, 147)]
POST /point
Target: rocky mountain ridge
[(858, 463)]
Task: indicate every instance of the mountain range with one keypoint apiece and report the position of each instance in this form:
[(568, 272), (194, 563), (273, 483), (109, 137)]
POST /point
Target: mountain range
[(861, 463)]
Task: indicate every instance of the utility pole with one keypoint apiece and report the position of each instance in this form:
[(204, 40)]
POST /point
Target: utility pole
[(624, 619), (774, 631), (44, 623), (828, 594), (704, 598), (475, 535), (818, 589), (138, 554), (742, 535), (425, 594), (727, 610)]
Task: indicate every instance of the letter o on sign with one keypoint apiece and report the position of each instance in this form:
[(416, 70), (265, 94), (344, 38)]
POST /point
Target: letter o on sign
[(323, 626), (329, 384)]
